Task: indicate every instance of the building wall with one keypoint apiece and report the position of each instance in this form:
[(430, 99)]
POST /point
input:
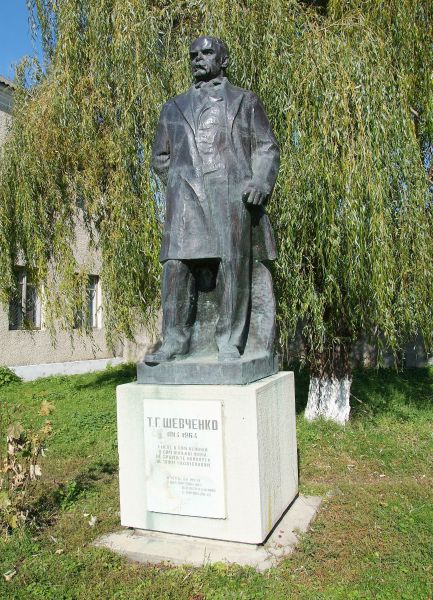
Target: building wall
[(29, 348), (5, 109), (20, 347)]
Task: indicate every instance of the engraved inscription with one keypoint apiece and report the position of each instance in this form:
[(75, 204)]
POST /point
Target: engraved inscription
[(184, 457)]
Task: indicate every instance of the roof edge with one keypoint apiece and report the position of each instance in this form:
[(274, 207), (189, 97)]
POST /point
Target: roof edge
[(7, 82)]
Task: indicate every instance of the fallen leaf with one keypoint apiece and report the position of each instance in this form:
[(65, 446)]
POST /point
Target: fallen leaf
[(47, 428), (14, 431), (35, 471), (4, 500), (92, 521), (9, 575), (12, 521), (46, 408)]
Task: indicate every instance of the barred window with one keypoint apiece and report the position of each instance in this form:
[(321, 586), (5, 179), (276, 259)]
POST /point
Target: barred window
[(93, 301), (25, 305), (92, 318)]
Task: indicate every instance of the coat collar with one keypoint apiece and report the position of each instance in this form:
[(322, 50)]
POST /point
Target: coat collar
[(216, 82), (233, 94)]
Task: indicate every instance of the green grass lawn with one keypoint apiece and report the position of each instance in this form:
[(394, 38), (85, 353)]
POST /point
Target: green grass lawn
[(371, 539)]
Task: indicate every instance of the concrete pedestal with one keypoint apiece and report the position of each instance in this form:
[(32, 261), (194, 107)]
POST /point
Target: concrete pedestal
[(211, 461)]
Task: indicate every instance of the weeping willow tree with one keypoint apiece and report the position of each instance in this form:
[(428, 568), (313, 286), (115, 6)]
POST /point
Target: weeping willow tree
[(347, 86)]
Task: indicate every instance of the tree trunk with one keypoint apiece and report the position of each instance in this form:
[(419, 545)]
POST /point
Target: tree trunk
[(328, 397)]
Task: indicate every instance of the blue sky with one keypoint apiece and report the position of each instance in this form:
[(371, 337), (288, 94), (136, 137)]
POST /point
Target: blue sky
[(15, 37)]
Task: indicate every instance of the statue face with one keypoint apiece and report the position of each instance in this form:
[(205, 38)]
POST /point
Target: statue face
[(207, 61)]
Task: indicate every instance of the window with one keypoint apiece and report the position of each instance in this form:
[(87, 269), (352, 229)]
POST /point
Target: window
[(93, 301), (25, 306), (92, 318)]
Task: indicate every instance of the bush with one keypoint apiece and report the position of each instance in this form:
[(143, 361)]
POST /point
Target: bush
[(20, 470), (7, 376)]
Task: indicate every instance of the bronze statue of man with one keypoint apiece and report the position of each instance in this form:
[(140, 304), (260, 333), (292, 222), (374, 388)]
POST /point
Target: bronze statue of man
[(218, 159)]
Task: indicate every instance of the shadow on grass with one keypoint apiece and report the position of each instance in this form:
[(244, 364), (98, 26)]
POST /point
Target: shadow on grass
[(64, 495), (378, 391), (111, 376), (400, 393)]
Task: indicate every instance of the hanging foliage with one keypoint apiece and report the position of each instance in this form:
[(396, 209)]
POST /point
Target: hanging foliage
[(348, 90)]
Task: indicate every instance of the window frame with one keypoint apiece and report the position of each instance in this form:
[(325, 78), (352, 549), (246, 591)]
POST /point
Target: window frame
[(92, 320), (19, 305)]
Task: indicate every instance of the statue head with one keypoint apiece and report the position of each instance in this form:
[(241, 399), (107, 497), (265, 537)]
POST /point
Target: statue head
[(209, 58)]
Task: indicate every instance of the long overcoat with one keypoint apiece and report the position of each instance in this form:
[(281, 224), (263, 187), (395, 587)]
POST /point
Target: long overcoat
[(205, 216)]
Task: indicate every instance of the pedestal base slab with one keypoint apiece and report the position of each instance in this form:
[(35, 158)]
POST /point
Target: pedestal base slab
[(155, 547), (206, 370)]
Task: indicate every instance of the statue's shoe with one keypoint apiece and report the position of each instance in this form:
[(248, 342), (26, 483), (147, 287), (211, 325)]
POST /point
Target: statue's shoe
[(164, 354), (228, 354)]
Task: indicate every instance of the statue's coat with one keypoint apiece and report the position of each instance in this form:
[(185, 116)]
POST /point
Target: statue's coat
[(205, 215)]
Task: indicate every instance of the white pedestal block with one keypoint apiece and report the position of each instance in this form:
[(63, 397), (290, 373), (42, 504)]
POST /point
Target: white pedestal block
[(212, 461)]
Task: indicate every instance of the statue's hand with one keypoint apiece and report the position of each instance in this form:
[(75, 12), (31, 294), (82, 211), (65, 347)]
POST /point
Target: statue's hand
[(253, 195)]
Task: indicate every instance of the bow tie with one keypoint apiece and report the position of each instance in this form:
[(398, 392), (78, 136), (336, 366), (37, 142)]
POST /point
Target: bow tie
[(208, 84)]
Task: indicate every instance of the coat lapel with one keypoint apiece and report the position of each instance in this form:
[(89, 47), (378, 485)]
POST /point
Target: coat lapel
[(184, 104), (234, 98)]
